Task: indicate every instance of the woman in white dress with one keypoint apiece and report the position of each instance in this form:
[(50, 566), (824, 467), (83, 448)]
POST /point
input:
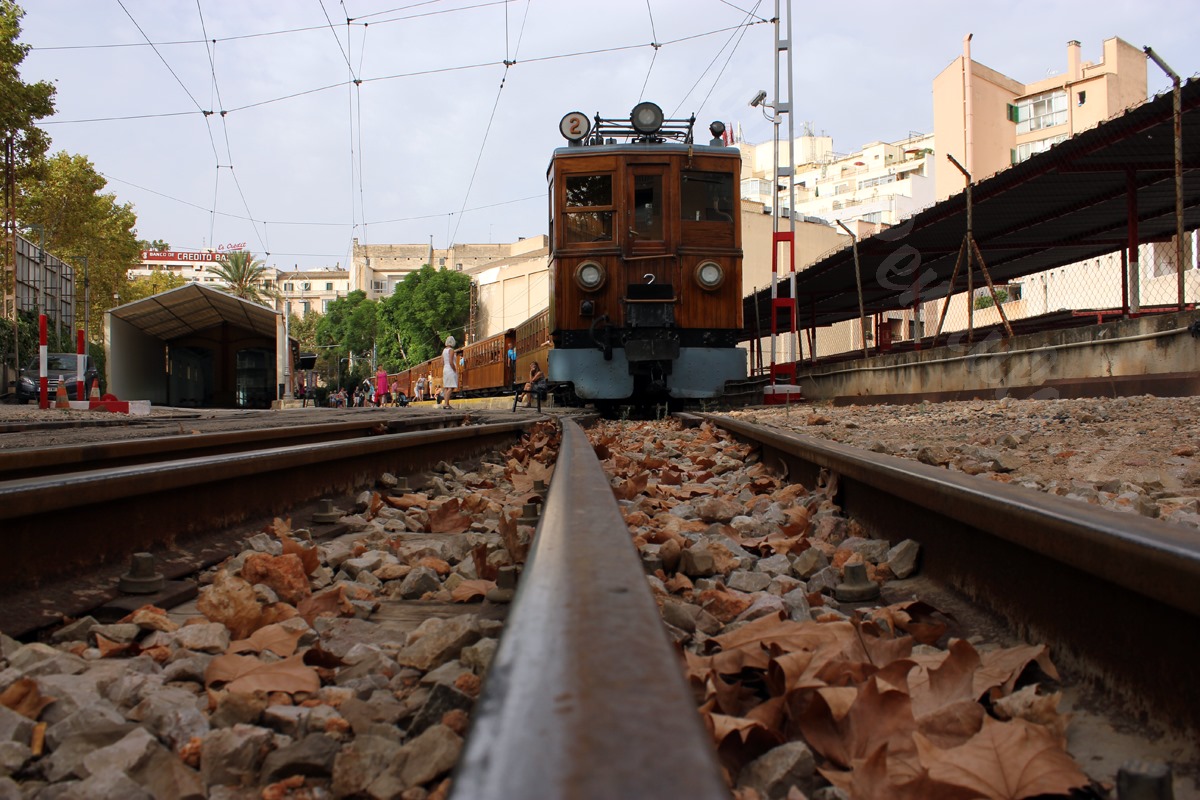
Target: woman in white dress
[(449, 373)]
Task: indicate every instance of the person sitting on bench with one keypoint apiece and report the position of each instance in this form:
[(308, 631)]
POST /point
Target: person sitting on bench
[(536, 383)]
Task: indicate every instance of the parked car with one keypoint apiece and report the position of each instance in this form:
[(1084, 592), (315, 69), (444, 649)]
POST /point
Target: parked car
[(59, 366)]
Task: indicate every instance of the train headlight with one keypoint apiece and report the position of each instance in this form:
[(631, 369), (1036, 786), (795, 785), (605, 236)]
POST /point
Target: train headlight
[(647, 118), (710, 275), (590, 276)]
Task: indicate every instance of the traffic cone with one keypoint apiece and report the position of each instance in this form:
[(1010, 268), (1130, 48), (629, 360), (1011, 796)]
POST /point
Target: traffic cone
[(95, 393), (60, 399)]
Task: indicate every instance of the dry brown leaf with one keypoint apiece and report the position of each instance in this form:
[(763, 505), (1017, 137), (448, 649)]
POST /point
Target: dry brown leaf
[(246, 675), (1030, 706), (375, 505), (449, 517), (874, 718), (275, 638), (1005, 761), (330, 603), (24, 697), (632, 486), (1001, 668), (310, 559), (407, 501), (467, 591)]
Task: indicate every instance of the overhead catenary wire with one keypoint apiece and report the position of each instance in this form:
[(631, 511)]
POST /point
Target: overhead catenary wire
[(508, 63), (358, 135)]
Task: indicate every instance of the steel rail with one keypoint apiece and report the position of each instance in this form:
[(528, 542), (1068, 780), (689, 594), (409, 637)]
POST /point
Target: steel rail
[(35, 461), (65, 524), (1108, 589), (585, 697)]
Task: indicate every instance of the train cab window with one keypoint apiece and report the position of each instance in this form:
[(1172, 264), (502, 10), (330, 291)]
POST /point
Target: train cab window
[(648, 208), (706, 196), (588, 209)]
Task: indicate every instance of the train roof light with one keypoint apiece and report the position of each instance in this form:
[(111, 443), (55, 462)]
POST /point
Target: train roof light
[(717, 129), (647, 118)]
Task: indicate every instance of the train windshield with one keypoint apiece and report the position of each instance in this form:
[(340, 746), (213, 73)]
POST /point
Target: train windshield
[(707, 196), (588, 208), (648, 207)]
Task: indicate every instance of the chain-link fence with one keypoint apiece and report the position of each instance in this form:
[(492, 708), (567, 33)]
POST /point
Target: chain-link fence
[(1091, 291)]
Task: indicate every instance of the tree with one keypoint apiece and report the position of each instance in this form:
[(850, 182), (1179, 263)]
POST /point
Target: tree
[(79, 220), (427, 306), (304, 330), (158, 281), (23, 103), (243, 273), (347, 330), (157, 244)]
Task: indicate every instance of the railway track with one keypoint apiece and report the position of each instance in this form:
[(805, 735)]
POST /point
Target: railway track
[(164, 493), (571, 708)]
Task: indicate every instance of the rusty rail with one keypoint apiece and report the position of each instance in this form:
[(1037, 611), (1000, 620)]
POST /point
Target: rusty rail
[(57, 459), (66, 524), (1116, 594), (585, 697)]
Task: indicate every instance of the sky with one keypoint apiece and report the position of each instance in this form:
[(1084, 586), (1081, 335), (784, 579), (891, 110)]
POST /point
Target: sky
[(279, 126)]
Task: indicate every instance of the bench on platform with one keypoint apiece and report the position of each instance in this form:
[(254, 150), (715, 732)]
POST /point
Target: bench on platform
[(539, 391)]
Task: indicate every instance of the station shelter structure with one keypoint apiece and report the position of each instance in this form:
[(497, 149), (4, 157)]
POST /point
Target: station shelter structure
[(198, 347)]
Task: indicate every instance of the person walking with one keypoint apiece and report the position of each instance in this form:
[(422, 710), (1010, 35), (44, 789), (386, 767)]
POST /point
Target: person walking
[(383, 395), (449, 373)]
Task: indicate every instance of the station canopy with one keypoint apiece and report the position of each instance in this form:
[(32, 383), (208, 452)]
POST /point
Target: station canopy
[(1072, 202), (192, 308)]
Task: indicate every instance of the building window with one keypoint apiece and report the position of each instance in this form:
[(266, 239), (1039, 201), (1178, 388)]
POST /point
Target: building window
[(877, 181), (287, 287), (1040, 111), (329, 286), (325, 305), (1025, 151), (379, 286), (306, 307)]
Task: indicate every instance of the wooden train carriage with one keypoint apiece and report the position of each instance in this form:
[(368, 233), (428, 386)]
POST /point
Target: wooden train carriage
[(532, 339), (485, 367), (646, 261)]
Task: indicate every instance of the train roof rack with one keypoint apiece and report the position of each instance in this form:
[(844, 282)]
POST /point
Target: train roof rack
[(645, 124)]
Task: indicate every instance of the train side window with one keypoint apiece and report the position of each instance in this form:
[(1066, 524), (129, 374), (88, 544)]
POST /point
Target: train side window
[(706, 196), (588, 208)]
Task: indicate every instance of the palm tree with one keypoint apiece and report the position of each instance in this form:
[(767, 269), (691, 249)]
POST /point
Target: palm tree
[(242, 272)]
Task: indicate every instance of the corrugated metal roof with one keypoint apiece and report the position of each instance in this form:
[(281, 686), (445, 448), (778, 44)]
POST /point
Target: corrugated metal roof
[(1065, 205), (192, 308)]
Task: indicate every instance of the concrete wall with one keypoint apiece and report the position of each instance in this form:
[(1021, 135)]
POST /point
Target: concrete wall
[(1145, 355), (135, 368)]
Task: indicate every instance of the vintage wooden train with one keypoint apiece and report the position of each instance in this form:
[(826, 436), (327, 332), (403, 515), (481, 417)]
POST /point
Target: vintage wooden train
[(645, 298)]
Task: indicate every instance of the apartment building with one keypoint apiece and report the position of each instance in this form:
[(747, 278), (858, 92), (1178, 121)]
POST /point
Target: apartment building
[(301, 290), (377, 268), (882, 183), (989, 121)]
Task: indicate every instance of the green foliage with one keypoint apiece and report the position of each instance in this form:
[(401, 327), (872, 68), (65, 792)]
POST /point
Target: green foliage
[(427, 306), (985, 300), (242, 273), (80, 221), (157, 282), (304, 330), (347, 327), (157, 244), (23, 103)]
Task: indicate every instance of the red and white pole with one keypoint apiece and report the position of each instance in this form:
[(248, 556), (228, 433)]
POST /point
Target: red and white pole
[(43, 381), (80, 365)]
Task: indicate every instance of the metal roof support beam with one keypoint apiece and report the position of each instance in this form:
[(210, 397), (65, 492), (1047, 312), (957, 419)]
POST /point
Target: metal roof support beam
[(1135, 300), (1177, 110)]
